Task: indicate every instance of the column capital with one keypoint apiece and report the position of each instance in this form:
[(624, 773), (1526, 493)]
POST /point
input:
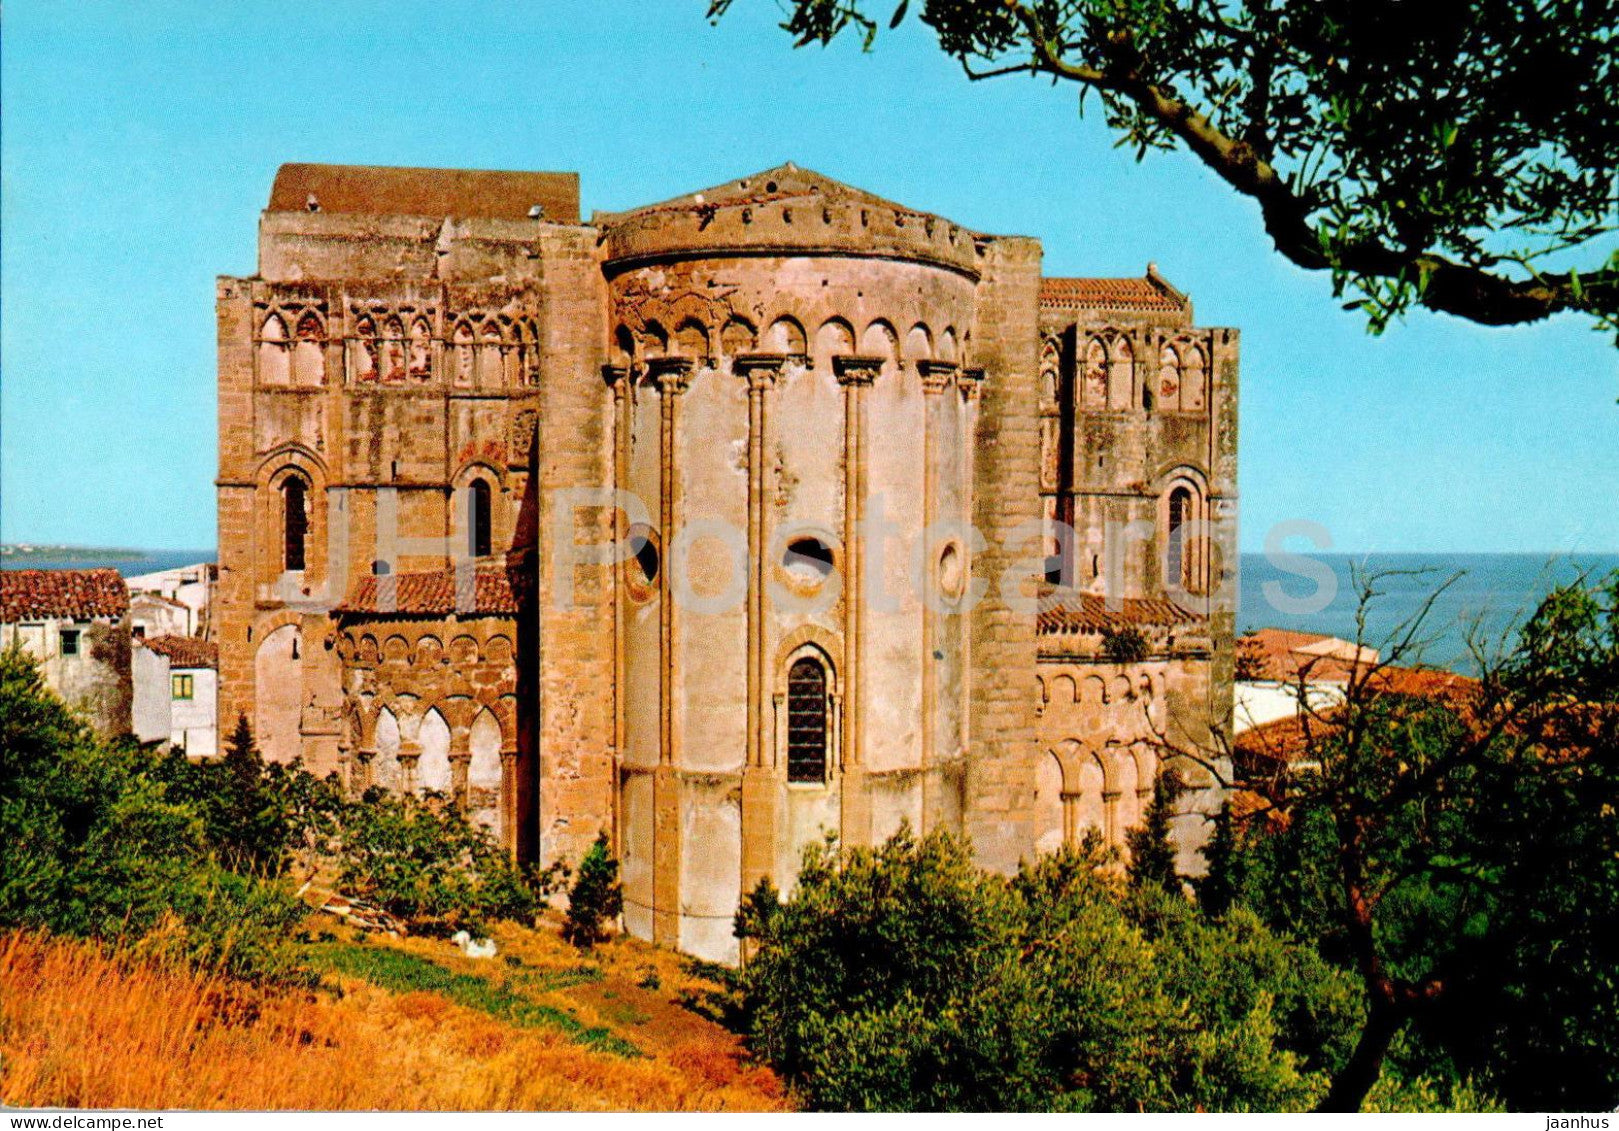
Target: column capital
[(855, 369), (760, 370), (615, 376), (670, 374), (936, 375), (970, 381)]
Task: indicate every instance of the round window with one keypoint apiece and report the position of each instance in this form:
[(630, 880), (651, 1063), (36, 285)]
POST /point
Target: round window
[(952, 571), (642, 566), (808, 561)]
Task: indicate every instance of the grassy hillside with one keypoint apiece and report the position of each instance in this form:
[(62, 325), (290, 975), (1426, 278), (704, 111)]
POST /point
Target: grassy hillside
[(396, 1024)]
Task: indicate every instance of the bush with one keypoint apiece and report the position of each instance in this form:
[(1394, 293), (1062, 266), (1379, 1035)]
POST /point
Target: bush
[(595, 898), (1126, 646), (94, 843), (903, 978)]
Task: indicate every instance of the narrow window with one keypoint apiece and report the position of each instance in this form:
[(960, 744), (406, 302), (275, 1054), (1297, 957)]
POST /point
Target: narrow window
[(806, 721), (295, 523), (183, 687), (1180, 511), (70, 642), (478, 519)]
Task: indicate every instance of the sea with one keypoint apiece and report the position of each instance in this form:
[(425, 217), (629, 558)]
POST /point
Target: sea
[(1471, 599), (1481, 598)]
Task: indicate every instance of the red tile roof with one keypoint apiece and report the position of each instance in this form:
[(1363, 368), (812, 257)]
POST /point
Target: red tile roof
[(1089, 613), (185, 651), (1148, 292), (1285, 656), (461, 193), (61, 594), (492, 590)]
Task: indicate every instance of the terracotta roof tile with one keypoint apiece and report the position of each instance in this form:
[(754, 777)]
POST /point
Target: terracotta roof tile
[(1091, 614), (485, 194), (185, 651), (61, 594), (1144, 293), (1284, 655), (492, 590)]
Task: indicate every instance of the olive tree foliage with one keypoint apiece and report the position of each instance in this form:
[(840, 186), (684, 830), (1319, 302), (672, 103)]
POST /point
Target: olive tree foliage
[(1457, 155)]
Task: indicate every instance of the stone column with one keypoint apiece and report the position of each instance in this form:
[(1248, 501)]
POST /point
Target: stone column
[(855, 374), (759, 784), (672, 376), (508, 802), (460, 757), (971, 382), (617, 378), (936, 376)]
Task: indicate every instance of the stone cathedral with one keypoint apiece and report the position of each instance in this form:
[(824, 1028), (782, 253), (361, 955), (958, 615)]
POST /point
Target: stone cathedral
[(771, 510)]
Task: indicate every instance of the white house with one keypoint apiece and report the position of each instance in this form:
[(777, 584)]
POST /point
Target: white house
[(177, 680)]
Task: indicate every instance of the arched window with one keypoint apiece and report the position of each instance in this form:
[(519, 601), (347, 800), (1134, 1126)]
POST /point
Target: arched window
[(478, 519), (806, 721), (294, 523), (1180, 513)]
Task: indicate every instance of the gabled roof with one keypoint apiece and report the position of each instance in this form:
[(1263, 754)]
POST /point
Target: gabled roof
[(1090, 614), (1149, 292), (488, 590), (185, 651), (487, 194), (61, 594), (783, 182)]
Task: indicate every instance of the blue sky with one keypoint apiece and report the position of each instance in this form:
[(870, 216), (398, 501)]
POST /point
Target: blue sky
[(139, 142)]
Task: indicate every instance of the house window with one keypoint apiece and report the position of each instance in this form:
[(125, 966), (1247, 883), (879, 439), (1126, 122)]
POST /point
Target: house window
[(806, 721), (183, 686), (478, 519), (138, 631), (295, 523), (70, 642)]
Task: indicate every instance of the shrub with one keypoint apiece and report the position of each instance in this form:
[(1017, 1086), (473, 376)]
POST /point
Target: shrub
[(595, 898), (1127, 645), (94, 842), (903, 978)]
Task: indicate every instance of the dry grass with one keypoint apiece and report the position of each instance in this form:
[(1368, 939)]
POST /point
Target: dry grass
[(80, 1027)]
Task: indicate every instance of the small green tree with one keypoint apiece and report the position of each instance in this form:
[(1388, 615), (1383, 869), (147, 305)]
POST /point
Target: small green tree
[(1152, 851), (596, 898)]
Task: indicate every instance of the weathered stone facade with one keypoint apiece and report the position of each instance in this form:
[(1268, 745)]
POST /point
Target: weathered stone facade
[(841, 431)]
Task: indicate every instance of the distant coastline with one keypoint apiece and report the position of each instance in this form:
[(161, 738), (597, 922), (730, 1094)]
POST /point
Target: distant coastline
[(129, 562)]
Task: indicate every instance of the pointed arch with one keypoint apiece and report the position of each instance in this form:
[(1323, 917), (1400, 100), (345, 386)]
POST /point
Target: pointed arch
[(918, 343), (491, 365), (786, 336), (1169, 378), (1120, 374), (654, 340), (274, 363), (421, 350), (691, 340), (309, 352), (1096, 374), (1051, 371), (737, 337), (880, 340), (363, 350), (1194, 380), (433, 765), (385, 770), (835, 337), (484, 777), (464, 354)]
